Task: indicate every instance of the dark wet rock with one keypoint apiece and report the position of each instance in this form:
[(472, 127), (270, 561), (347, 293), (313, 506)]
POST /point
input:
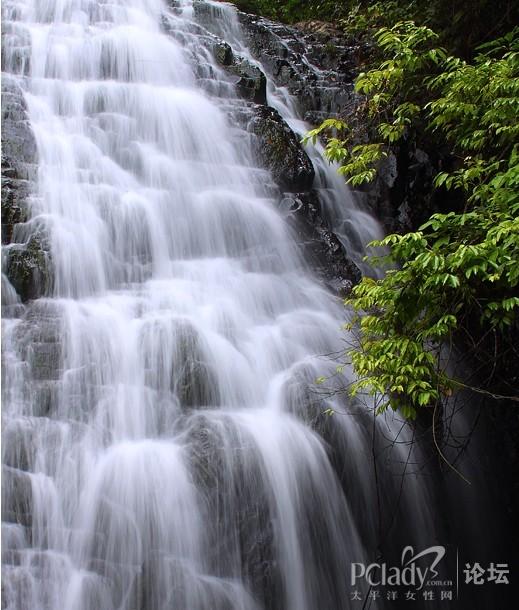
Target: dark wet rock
[(18, 155), (28, 269), (203, 12), (418, 202), (16, 496), (187, 371), (26, 261), (16, 451), (18, 143), (402, 196), (318, 67), (251, 83), (318, 64), (279, 150), (388, 170), (15, 193), (223, 53), (175, 6), (193, 379), (322, 247)]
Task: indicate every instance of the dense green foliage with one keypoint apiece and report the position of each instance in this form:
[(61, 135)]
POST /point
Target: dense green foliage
[(459, 266)]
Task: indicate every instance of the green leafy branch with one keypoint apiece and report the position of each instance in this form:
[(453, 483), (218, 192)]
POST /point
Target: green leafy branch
[(456, 264)]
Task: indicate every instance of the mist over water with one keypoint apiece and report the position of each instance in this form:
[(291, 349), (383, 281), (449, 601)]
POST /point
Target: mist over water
[(174, 453)]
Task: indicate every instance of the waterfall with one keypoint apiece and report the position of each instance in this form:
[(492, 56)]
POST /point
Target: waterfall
[(355, 227), (164, 443)]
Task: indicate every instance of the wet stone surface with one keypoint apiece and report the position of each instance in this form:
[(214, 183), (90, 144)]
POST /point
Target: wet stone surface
[(26, 259), (280, 151)]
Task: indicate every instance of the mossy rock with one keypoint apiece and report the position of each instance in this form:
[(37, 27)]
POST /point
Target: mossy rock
[(14, 204), (223, 53), (279, 150), (252, 83), (28, 269)]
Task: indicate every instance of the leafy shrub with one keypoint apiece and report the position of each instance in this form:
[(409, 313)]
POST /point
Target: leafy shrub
[(458, 264)]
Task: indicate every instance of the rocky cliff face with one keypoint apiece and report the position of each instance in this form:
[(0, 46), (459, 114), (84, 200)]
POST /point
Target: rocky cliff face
[(26, 254), (318, 64), (315, 62)]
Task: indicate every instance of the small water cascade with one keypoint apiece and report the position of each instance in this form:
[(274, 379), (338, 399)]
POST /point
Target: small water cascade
[(164, 444), (354, 226)]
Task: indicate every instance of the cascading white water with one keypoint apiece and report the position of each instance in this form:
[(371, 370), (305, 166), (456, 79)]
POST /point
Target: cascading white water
[(174, 458), (354, 226)]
